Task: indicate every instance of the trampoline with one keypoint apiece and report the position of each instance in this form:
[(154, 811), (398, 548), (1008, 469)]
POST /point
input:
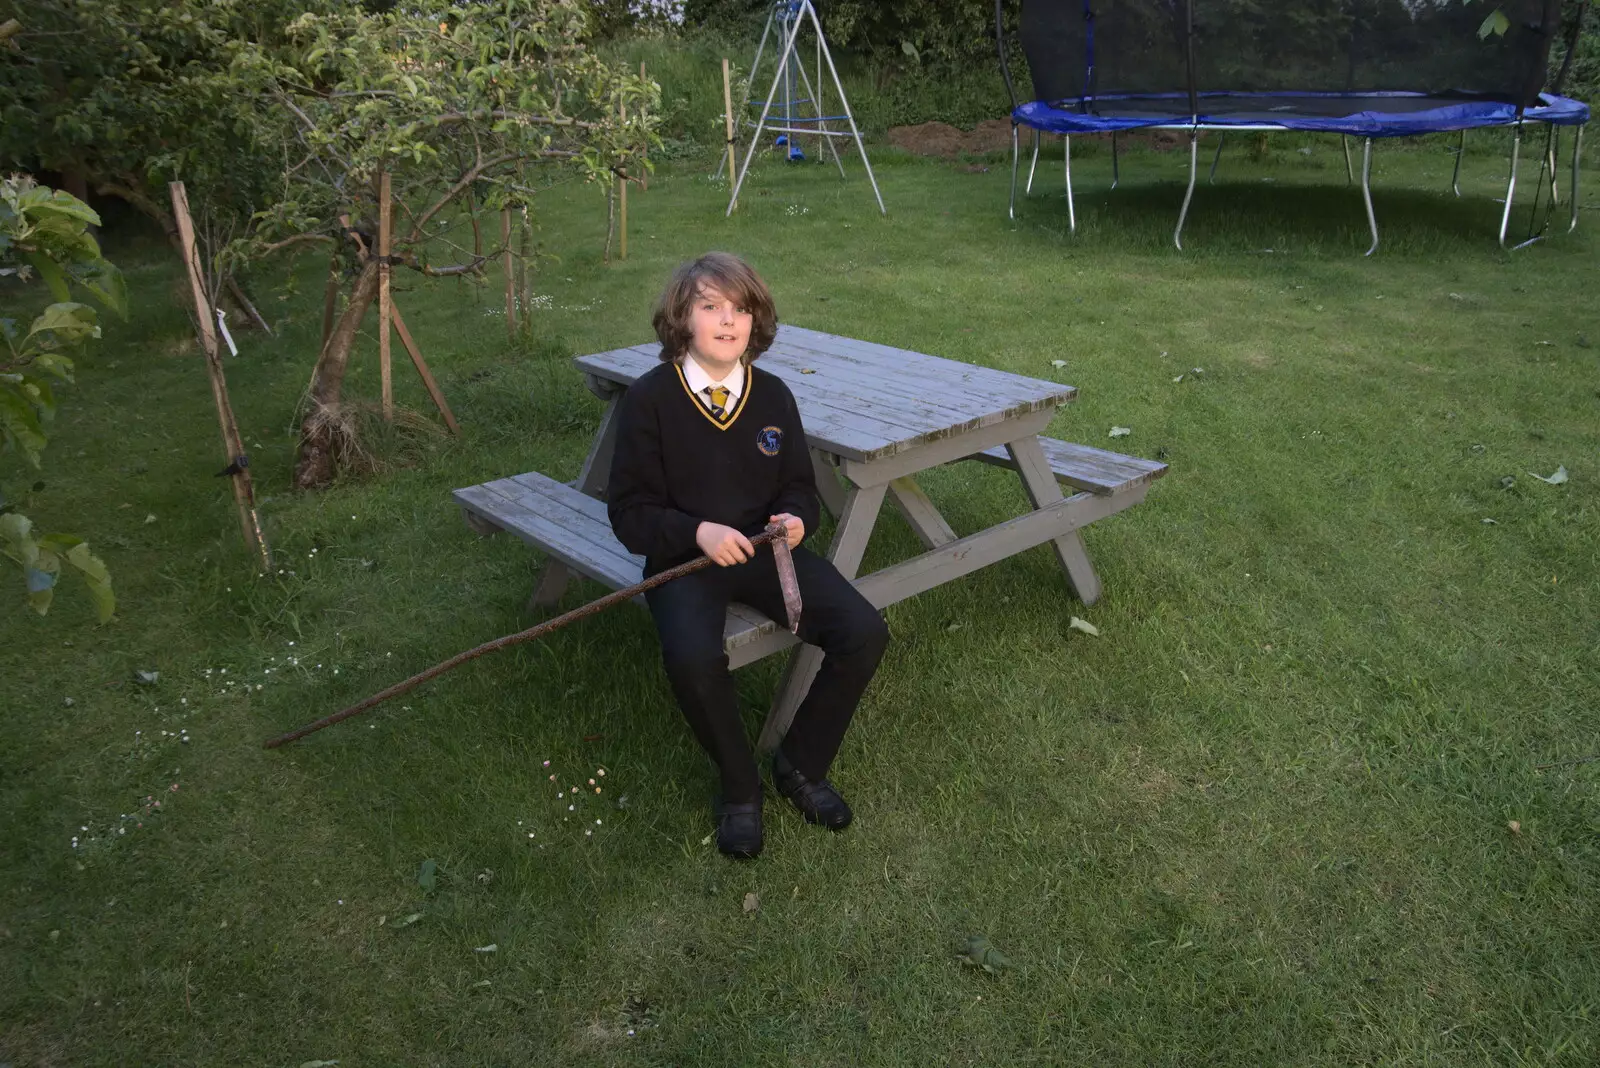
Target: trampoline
[(1358, 68)]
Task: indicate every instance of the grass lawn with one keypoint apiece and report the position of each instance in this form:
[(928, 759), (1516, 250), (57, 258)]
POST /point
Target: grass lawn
[(1287, 809)]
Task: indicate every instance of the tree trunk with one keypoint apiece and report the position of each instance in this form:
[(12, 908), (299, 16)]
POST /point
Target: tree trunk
[(324, 435)]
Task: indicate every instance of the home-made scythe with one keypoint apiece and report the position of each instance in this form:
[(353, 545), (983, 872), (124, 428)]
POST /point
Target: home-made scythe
[(776, 534)]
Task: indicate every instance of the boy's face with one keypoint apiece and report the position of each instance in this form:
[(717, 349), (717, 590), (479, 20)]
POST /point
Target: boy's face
[(721, 329)]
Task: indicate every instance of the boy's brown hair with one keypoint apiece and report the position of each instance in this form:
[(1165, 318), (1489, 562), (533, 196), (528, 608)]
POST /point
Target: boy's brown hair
[(737, 281)]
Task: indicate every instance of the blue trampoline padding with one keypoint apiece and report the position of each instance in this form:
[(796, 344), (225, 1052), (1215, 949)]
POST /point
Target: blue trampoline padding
[(1386, 114)]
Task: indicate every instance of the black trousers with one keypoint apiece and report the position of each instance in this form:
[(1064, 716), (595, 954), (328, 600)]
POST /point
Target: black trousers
[(690, 613)]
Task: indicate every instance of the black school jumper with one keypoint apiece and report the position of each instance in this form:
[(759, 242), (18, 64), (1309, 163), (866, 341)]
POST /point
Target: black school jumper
[(677, 465)]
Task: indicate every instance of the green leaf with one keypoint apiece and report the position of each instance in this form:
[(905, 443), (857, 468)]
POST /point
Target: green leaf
[(51, 272), (1496, 23), (428, 875), (407, 921), (19, 423), (105, 284), (980, 954), (59, 203), (96, 577), (67, 323), (16, 539)]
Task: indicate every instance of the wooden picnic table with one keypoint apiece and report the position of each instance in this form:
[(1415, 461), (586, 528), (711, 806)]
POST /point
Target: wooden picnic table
[(876, 417)]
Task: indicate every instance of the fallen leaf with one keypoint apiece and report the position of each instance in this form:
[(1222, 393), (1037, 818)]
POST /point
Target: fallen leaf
[(1478, 448), (1120, 432), (1489, 522), (1508, 481), (1085, 626), (490, 948), (428, 875), (752, 902), (1514, 826), (1555, 479), (481, 982), (1197, 370), (318, 1064), (953, 627), (148, 678), (407, 921), (980, 954), (1178, 379), (149, 519), (1058, 363), (808, 370), (706, 840)]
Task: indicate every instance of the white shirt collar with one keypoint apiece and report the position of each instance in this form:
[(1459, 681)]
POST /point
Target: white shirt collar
[(698, 380)]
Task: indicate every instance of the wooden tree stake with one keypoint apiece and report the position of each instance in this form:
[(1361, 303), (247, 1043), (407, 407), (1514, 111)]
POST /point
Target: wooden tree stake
[(727, 110), (622, 197), (232, 443), (422, 370), (644, 170), (385, 301), (511, 281)]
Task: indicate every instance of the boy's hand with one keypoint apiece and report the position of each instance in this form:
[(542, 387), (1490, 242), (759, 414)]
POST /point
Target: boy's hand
[(794, 525), (724, 545)]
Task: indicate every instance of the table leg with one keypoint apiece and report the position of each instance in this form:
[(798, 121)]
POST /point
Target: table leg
[(591, 480), (828, 487), (856, 521), (925, 520), (1040, 483)]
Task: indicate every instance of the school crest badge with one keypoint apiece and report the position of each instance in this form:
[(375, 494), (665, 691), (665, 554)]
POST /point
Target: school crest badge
[(769, 440)]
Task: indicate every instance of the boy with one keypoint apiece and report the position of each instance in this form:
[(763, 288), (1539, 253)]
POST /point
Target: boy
[(710, 450)]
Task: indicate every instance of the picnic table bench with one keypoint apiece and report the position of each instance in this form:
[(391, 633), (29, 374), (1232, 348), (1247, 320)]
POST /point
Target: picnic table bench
[(875, 418)]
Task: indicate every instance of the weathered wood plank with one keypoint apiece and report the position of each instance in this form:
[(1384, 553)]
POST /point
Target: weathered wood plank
[(1085, 467), (925, 521), (571, 528), (596, 468), (1040, 484), (966, 555), (596, 561), (941, 450), (828, 487)]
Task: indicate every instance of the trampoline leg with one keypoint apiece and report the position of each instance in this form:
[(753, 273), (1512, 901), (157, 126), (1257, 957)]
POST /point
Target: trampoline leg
[(1066, 155), (1222, 139), (1183, 212), (1349, 171), (1115, 177), (1461, 148), (1011, 209), (1511, 183), (1552, 149), (1027, 190), (1572, 190), (1366, 193)]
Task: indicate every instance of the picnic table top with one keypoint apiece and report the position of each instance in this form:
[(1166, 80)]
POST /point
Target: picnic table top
[(864, 401)]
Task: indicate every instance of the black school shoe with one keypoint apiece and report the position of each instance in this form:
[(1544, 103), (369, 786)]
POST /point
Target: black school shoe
[(738, 828), (817, 800)]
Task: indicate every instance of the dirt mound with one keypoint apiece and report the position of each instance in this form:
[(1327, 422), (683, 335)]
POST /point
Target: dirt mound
[(942, 139), (994, 135)]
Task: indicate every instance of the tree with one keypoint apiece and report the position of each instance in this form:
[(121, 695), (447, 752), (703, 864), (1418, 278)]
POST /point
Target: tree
[(478, 98), (44, 236)]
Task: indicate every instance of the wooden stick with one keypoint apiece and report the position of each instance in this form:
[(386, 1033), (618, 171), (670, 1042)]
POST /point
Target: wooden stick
[(385, 300), (611, 219), (511, 281), (330, 299), (727, 110), (422, 369), (644, 171), (622, 196), (477, 231), (236, 291), (772, 533), (232, 443)]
